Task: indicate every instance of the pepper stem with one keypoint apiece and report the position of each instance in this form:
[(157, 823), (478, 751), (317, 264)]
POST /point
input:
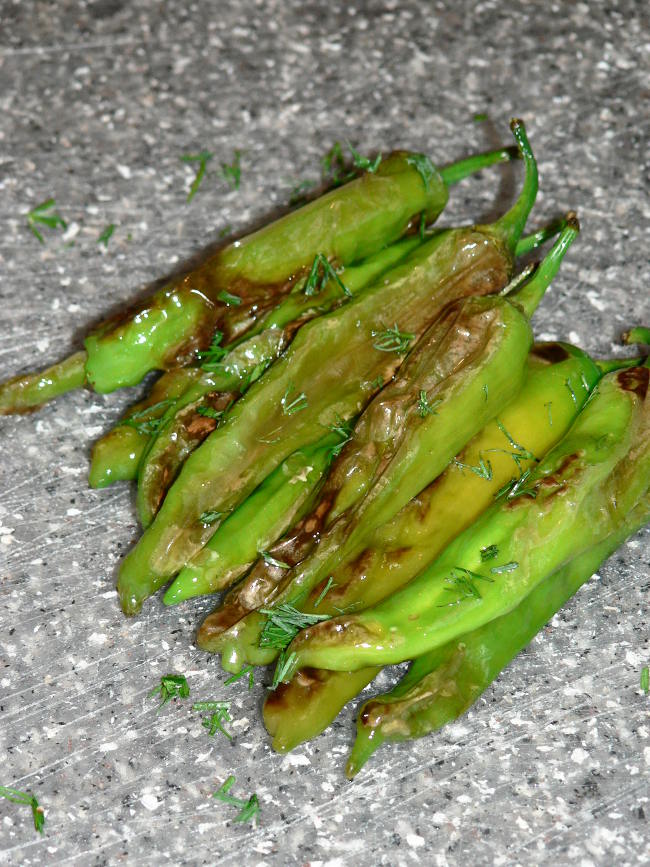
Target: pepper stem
[(607, 365), (531, 293), (24, 393), (531, 242), (511, 225), (640, 334), (461, 169)]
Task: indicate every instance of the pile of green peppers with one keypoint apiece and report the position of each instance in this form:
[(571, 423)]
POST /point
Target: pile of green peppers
[(354, 434)]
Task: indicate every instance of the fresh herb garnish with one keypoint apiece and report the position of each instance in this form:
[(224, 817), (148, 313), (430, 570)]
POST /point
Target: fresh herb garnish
[(361, 162), (209, 518), (248, 810), (212, 356), (507, 567), (333, 165), (105, 236), (322, 271), (228, 299), (485, 389), (247, 670), (516, 488), (289, 407), (297, 195), (210, 412), (489, 552), (325, 591), (344, 430), (571, 391), (283, 623), (144, 422), (480, 117), (483, 469), (284, 665), (464, 581), (44, 215), (171, 686), (424, 407), (231, 172), (377, 382), (18, 797), (424, 167), (392, 340), (202, 159), (645, 679), (279, 564), (220, 713), (225, 231)]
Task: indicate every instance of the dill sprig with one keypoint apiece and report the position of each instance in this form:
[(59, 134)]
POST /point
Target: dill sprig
[(507, 567), (283, 666), (392, 340), (212, 356), (44, 215), (105, 235), (202, 159), (325, 591), (333, 166), (210, 412), (247, 670), (463, 581), (283, 623), (171, 686), (645, 679), (231, 172), (424, 407), (220, 713), (517, 488), (18, 797), (321, 271), (210, 517), (425, 168), (228, 299), (361, 162), (289, 407), (248, 810), (483, 469), (268, 558), (489, 552), (297, 195), (571, 391), (144, 421), (344, 430)]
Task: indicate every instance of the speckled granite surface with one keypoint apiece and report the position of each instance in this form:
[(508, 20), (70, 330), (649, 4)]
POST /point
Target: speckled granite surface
[(97, 103)]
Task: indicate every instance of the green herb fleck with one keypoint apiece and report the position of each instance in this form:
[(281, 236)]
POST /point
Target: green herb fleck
[(145, 421), (483, 469), (247, 670), (210, 412), (480, 117), (571, 391), (424, 407), (105, 236), (213, 355), (248, 810), (289, 407), (489, 552), (44, 215), (333, 165), (220, 713), (344, 430), (322, 271), (507, 567), (378, 382), (364, 163), (392, 340), (202, 159), (268, 558), (225, 231), (325, 591), (297, 195), (283, 623), (485, 389), (231, 172), (463, 582), (423, 165), (18, 797), (645, 679), (517, 488), (171, 686), (284, 665), (228, 299), (209, 518)]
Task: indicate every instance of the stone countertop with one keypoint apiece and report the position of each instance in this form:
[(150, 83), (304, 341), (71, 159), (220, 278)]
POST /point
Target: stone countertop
[(98, 101)]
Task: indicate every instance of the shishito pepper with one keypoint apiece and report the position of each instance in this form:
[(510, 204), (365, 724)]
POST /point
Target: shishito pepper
[(577, 496), (523, 432), (186, 424), (332, 369), (243, 281), (443, 684), (461, 379)]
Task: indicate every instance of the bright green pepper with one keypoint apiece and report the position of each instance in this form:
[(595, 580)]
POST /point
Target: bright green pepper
[(328, 372), (577, 496), (281, 499), (443, 684), (397, 448)]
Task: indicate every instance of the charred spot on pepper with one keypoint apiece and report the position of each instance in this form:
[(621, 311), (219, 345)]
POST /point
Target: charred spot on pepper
[(634, 379), (551, 352)]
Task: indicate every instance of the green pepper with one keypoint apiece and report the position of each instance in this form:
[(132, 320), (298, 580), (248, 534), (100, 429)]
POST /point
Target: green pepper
[(264, 516), (397, 448), (577, 496), (184, 426), (523, 432), (116, 456), (443, 684), (328, 372)]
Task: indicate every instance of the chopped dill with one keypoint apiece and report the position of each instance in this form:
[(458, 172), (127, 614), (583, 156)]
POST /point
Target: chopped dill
[(483, 469), (571, 391), (283, 623), (297, 195), (228, 299), (289, 407), (645, 679), (18, 797), (105, 235), (268, 558), (425, 168), (171, 686), (231, 172), (325, 591), (463, 581), (424, 407), (247, 670), (392, 340), (210, 412), (202, 159), (361, 162), (209, 518), (44, 215), (145, 421), (489, 552), (321, 271), (248, 810), (213, 355), (284, 665)]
